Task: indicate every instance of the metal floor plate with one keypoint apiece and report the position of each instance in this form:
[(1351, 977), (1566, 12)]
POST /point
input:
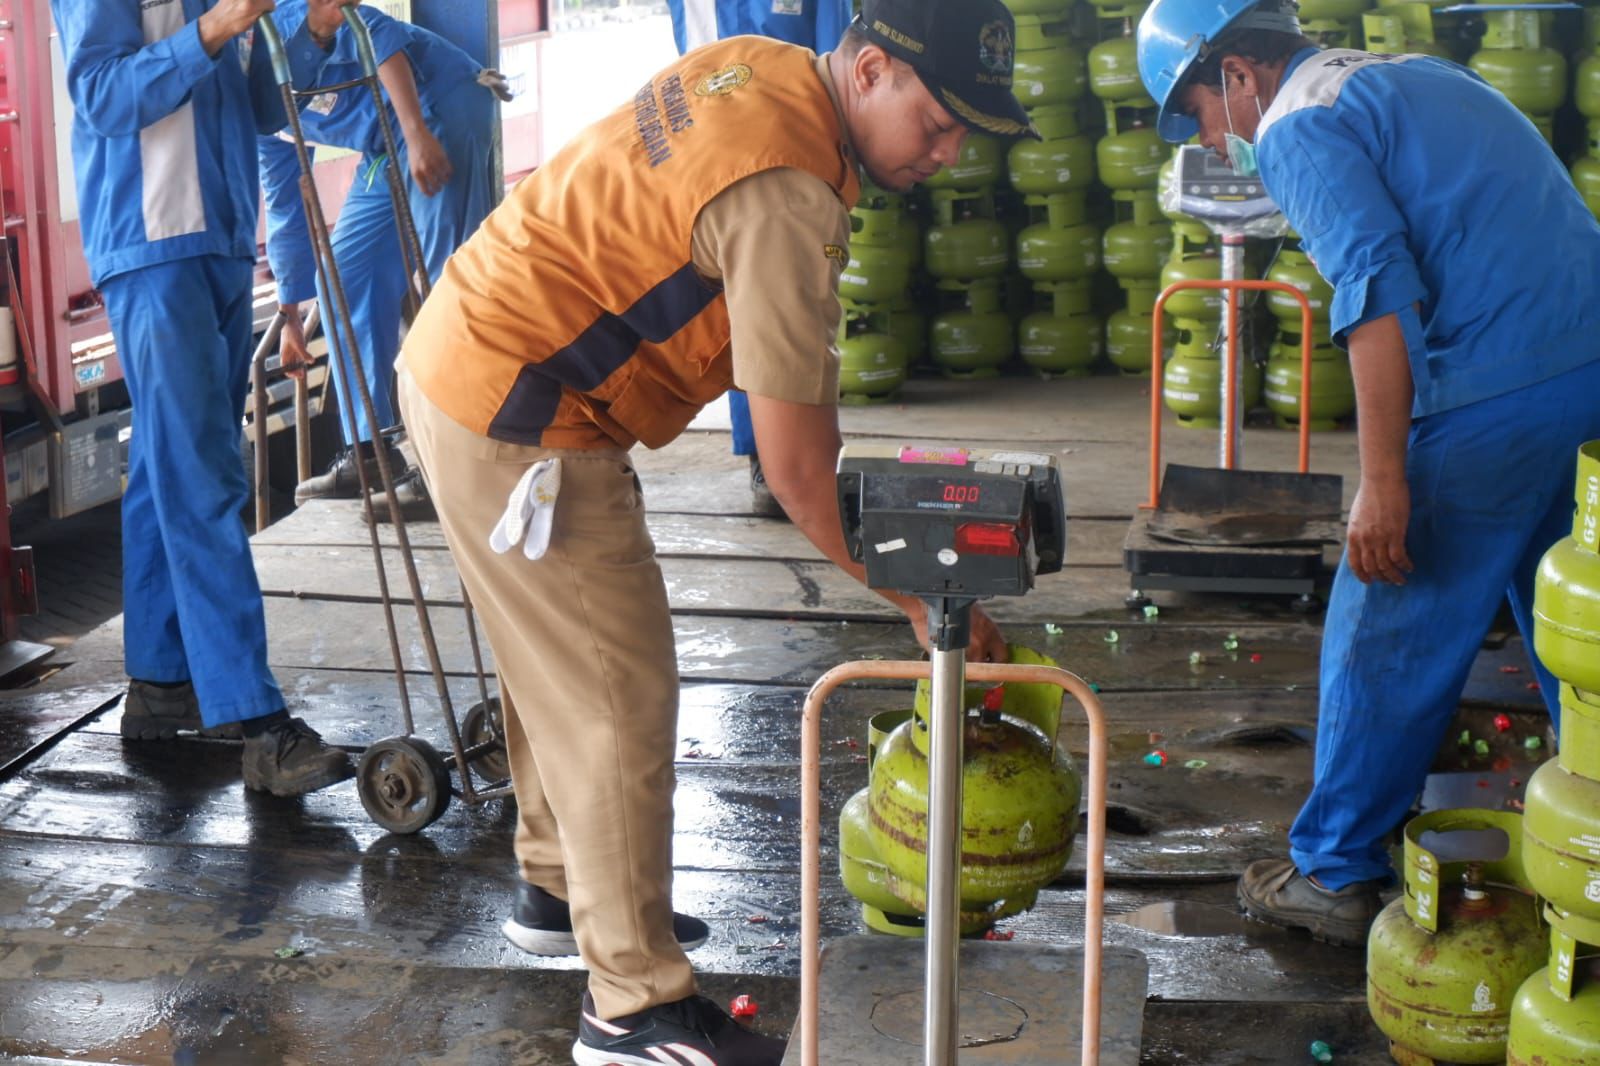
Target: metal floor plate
[(1020, 1003)]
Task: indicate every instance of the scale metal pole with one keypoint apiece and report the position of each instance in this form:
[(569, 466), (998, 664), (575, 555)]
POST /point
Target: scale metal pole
[(950, 626), (1231, 447)]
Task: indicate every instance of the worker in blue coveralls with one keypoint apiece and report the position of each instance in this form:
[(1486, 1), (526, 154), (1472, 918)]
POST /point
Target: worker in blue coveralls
[(813, 24), (1464, 268), (168, 98), (441, 105)]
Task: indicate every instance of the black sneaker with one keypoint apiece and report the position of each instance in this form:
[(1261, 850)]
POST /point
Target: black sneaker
[(291, 759), (161, 712), (341, 481), (541, 924), (762, 501), (690, 1032)]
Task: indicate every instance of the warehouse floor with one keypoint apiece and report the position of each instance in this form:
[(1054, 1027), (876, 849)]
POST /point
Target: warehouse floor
[(152, 912)]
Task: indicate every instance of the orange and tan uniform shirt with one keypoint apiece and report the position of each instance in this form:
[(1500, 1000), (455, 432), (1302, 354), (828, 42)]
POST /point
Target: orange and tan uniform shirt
[(691, 240)]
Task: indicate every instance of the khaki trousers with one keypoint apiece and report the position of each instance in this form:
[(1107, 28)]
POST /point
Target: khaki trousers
[(589, 683)]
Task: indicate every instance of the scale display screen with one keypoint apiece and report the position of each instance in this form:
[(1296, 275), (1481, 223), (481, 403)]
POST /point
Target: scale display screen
[(1210, 190), (951, 521), (964, 495)]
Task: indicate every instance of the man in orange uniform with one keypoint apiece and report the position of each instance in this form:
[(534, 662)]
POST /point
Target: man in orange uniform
[(599, 307)]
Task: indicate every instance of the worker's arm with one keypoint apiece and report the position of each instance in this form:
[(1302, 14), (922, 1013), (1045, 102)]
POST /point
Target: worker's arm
[(799, 448), (430, 166), (1318, 164), (289, 251), (1375, 545)]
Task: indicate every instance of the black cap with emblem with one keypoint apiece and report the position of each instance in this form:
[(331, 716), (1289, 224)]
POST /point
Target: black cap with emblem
[(963, 52)]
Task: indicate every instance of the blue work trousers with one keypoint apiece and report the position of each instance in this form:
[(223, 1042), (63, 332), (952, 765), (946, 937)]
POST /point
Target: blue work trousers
[(367, 248), (744, 431), (1491, 490), (191, 604)]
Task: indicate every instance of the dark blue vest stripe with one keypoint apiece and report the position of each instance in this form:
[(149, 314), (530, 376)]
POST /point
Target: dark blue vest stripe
[(596, 354)]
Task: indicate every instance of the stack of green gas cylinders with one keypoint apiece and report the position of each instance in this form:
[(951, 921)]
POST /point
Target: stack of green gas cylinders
[(1555, 1020), (1333, 390), (1057, 245), (882, 332), (968, 253), (1139, 239), (1586, 93)]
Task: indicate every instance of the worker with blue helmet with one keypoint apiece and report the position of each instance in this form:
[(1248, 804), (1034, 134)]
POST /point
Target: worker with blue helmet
[(1464, 266)]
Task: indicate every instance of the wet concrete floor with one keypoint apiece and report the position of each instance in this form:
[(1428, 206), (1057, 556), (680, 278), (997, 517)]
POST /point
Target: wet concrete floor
[(153, 912)]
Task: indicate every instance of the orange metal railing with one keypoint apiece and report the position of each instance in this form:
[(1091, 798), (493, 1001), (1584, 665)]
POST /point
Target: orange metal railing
[(1230, 360)]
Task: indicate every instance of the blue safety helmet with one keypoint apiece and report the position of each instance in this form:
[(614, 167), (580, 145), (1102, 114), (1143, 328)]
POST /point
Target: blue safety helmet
[(1173, 34)]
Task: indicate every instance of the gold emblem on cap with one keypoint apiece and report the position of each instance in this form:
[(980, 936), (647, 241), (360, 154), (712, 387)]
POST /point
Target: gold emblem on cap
[(724, 81), (837, 253), (1005, 127)]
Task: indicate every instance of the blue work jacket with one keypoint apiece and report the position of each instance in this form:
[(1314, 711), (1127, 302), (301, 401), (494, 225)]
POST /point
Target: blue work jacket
[(346, 119), (1413, 183), (163, 135), (814, 24)]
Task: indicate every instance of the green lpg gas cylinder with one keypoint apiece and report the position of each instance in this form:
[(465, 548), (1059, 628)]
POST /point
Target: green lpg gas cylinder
[(1192, 383), (1445, 961), (1114, 68), (1130, 155), (1566, 597), (864, 874), (973, 337), (1135, 248), (875, 273), (982, 164), (1586, 176), (1059, 245), (1333, 390), (872, 367), (1048, 68), (1293, 267), (1164, 179), (1047, 8), (1555, 1020), (1130, 333), (1063, 160), (1194, 257), (1586, 86), (1019, 802), (1513, 60), (1402, 29), (1326, 10), (1063, 338), (966, 240), (1561, 819), (906, 323)]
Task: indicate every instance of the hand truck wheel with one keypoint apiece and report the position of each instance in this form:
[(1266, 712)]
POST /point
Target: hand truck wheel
[(484, 724), (403, 783)]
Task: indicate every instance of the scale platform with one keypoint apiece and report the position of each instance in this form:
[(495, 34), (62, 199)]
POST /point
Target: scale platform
[(1246, 531), (1021, 1003)]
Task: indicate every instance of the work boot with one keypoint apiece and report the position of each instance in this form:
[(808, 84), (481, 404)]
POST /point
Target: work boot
[(762, 501), (161, 712), (412, 493), (541, 924), (342, 481), (1272, 890), (290, 759), (689, 1030)]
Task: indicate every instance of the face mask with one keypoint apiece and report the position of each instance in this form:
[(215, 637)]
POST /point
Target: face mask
[(1241, 153)]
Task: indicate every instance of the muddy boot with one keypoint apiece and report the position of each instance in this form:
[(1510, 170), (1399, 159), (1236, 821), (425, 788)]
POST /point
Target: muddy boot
[(412, 493), (690, 1030), (290, 759), (161, 712), (1272, 890), (762, 501), (541, 924)]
